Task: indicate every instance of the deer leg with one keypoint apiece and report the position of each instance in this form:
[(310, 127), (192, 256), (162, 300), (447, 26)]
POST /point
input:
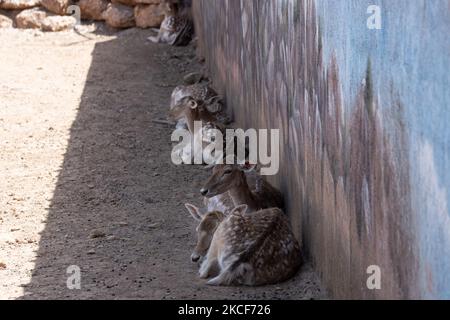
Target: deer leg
[(155, 39), (209, 268), (225, 278)]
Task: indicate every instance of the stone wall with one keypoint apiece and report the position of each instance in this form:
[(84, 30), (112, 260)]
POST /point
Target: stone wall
[(59, 15), (364, 120)]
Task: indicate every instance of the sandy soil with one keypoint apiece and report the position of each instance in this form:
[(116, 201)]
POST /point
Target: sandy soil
[(86, 177)]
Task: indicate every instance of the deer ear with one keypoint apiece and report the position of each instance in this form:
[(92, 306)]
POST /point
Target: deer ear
[(214, 104), (213, 108), (192, 104), (194, 211), (241, 209), (247, 167)]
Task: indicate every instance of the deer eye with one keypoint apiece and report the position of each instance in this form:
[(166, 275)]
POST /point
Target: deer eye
[(227, 171)]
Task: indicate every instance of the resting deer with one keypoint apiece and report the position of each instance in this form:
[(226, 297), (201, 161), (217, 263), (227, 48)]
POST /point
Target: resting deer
[(245, 248), (176, 29), (234, 180), (192, 111), (199, 95)]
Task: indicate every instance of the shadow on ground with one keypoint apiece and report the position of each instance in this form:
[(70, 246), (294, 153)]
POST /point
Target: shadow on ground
[(117, 210)]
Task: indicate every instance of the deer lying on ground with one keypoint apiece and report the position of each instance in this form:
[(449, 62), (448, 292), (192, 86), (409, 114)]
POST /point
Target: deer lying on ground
[(245, 248), (192, 111), (194, 106), (234, 180), (199, 94), (176, 29)]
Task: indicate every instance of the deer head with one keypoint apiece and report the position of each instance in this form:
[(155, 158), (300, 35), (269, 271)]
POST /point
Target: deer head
[(184, 105), (208, 224), (224, 178)]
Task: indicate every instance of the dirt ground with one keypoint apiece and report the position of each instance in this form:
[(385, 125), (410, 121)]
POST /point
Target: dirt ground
[(86, 177)]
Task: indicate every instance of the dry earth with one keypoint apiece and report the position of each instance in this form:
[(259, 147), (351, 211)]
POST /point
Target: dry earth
[(86, 177)]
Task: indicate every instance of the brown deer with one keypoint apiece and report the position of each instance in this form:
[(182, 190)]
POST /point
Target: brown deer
[(192, 110), (234, 179), (176, 29), (244, 248), (197, 102)]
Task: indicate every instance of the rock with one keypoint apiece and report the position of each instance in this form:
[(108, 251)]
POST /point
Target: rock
[(133, 3), (119, 16), (58, 23), (31, 18), (18, 4), (96, 234), (5, 22), (147, 16), (93, 9), (153, 225), (148, 1), (56, 6)]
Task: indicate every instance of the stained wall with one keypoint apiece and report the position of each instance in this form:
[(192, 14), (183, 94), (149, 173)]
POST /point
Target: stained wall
[(364, 120)]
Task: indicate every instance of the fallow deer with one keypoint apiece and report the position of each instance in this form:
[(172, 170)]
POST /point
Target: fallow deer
[(244, 248), (176, 29), (234, 180), (202, 95)]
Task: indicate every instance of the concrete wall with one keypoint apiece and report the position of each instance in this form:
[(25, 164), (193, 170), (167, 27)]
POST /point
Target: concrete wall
[(364, 116)]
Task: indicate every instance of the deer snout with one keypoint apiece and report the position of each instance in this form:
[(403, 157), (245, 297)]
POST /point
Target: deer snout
[(195, 257), (204, 191)]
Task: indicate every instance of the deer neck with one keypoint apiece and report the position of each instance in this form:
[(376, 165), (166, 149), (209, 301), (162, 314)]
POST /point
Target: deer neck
[(191, 116), (241, 194)]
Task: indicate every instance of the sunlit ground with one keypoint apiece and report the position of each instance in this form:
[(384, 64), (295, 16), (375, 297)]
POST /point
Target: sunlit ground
[(42, 77)]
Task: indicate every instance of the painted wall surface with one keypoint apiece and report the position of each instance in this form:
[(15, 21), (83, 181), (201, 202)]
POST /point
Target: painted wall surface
[(365, 122)]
